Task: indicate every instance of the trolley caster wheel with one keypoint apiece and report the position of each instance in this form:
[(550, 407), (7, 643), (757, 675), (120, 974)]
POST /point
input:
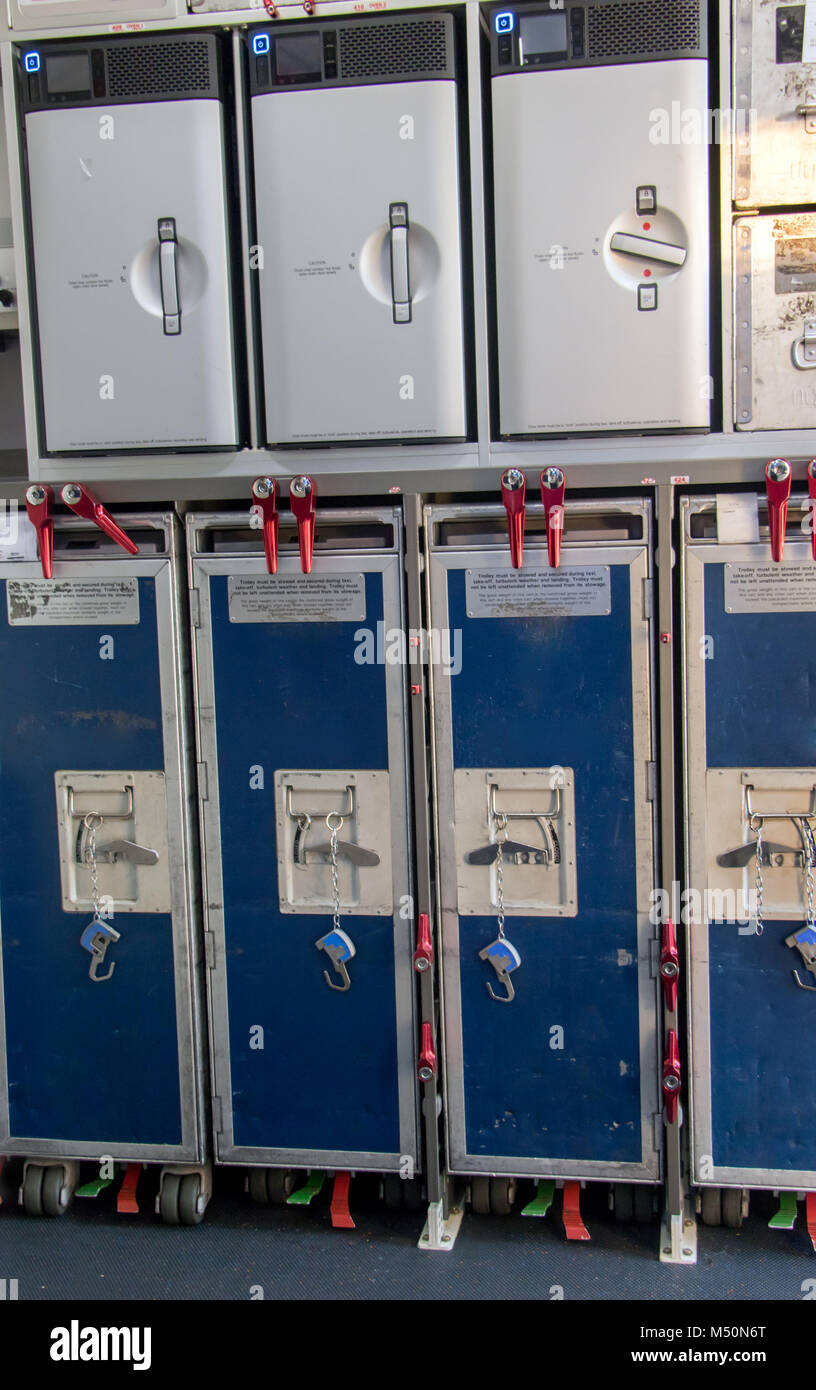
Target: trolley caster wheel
[(280, 1184), (643, 1203), (402, 1193), (32, 1189), (257, 1186), (502, 1195), (56, 1193), (169, 1199), (711, 1206), (480, 1196), (180, 1201), (732, 1207), (624, 1203), (190, 1208)]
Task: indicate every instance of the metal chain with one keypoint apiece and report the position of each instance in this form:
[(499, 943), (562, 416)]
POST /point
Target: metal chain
[(333, 831), (809, 856), (93, 822), (501, 836), (760, 927)]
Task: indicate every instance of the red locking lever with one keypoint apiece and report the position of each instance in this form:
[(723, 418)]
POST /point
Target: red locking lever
[(265, 492), (423, 955), (40, 507), (812, 495), (778, 485), (513, 488), (553, 486), (426, 1066), (669, 966), (671, 1075), (82, 501), (302, 500)]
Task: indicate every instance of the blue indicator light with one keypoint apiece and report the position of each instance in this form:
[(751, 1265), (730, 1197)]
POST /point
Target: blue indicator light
[(504, 22), (260, 43), (32, 62)]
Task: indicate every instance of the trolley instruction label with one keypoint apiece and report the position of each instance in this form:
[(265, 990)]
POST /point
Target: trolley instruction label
[(582, 592), (770, 588), (72, 602), (295, 598)]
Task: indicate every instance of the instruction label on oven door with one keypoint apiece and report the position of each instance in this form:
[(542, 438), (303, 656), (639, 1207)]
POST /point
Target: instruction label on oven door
[(770, 588), (809, 35), (794, 263), (580, 592), (296, 598), (72, 602)]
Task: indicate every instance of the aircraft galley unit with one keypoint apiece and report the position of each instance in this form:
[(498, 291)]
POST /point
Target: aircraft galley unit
[(408, 445)]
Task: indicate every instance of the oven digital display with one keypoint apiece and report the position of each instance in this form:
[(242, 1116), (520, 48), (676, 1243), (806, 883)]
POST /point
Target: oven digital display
[(68, 74), (542, 36), (299, 55)]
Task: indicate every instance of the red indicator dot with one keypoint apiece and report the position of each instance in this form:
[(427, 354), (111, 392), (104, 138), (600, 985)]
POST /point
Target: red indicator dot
[(647, 226), (647, 272)]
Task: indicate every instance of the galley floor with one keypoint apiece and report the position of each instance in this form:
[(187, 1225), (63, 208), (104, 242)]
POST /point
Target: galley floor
[(293, 1253)]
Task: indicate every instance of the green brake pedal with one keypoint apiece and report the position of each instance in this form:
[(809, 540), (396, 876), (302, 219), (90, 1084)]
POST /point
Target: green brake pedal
[(93, 1188), (310, 1189), (785, 1218), (541, 1203)]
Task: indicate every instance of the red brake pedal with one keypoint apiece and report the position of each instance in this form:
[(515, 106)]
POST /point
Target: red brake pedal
[(574, 1228), (340, 1214), (126, 1196)]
